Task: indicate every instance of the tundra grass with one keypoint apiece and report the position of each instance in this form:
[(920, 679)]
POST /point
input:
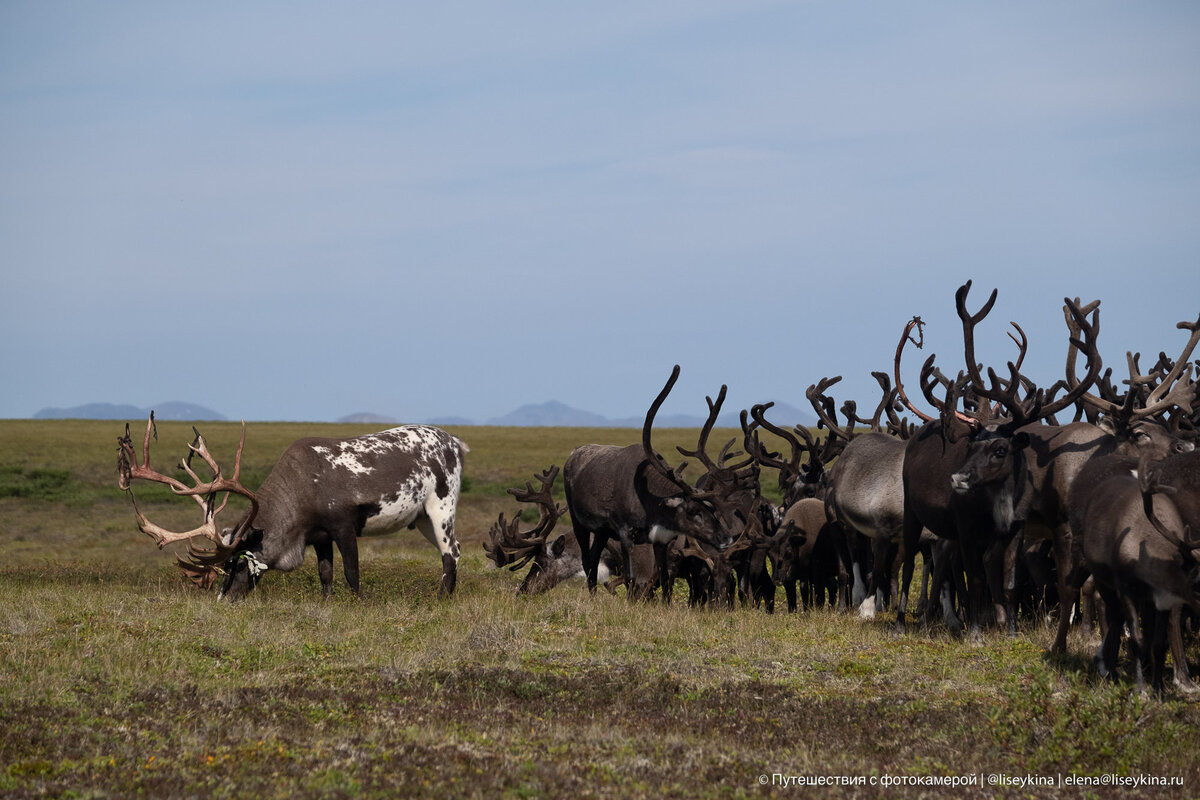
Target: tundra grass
[(121, 680)]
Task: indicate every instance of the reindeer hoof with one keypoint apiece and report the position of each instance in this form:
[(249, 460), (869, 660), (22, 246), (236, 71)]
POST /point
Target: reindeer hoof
[(1185, 686)]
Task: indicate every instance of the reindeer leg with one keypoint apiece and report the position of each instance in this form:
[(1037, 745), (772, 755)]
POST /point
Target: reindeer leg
[(1110, 646), (923, 598), (1068, 587), (664, 572), (1007, 611), (324, 550), (912, 540), (1138, 651), (1183, 680), (347, 544), (880, 571), (437, 525)]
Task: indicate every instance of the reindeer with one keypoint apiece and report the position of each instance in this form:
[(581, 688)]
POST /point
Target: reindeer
[(553, 562), (630, 494), (321, 492), (1137, 524), (509, 546), (960, 471), (802, 547), (865, 496), (1131, 425)]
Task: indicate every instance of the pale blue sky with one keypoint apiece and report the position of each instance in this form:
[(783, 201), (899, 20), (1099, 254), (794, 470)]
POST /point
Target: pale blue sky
[(304, 210)]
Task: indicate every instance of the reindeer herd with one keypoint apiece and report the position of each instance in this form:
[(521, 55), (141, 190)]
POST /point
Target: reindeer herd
[(1013, 511)]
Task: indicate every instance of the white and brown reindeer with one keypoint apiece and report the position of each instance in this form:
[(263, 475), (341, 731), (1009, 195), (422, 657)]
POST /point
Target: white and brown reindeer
[(322, 492)]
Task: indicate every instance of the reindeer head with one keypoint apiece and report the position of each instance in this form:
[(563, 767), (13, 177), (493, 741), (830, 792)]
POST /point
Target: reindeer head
[(1001, 406), (509, 546), (203, 566)]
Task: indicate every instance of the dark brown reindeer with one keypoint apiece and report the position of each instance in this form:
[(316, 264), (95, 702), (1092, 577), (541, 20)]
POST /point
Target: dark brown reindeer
[(1137, 525), (630, 494), (1130, 425), (321, 492), (961, 471), (801, 549), (709, 573)]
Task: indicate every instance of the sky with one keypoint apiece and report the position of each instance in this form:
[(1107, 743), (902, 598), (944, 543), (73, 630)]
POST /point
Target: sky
[(299, 211)]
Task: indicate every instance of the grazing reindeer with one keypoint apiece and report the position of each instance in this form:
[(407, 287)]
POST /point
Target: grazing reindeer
[(321, 492), (629, 493), (509, 546), (709, 574), (1137, 527), (960, 472)]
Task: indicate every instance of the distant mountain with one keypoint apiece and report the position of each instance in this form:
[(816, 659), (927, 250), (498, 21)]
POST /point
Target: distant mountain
[(172, 410), (552, 414)]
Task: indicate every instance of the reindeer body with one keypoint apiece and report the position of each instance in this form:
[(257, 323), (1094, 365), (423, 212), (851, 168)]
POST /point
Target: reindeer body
[(612, 493), (326, 492), (1146, 574), (1055, 457)]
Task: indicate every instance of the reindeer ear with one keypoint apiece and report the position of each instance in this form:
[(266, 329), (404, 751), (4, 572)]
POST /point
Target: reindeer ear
[(1107, 425), (559, 545)]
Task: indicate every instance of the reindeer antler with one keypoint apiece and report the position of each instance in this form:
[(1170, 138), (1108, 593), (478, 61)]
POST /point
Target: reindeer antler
[(1037, 404), (927, 370), (203, 492), (791, 469), (509, 544)]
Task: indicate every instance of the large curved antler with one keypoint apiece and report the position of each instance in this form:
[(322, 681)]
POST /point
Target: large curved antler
[(927, 370), (203, 492), (824, 405), (1006, 394), (656, 461), (1176, 387), (720, 470)]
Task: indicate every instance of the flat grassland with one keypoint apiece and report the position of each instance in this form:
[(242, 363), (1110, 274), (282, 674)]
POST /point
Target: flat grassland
[(121, 680)]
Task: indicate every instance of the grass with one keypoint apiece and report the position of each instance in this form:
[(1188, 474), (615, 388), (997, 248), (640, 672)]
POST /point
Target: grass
[(123, 681)]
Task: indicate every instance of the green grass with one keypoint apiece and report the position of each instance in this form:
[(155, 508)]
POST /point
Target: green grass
[(121, 680)]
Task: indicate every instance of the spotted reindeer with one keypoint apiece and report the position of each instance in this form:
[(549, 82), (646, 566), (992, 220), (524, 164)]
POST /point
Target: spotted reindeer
[(321, 492)]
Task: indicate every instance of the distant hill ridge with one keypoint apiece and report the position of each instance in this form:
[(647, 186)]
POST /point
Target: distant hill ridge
[(169, 411), (549, 414)]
